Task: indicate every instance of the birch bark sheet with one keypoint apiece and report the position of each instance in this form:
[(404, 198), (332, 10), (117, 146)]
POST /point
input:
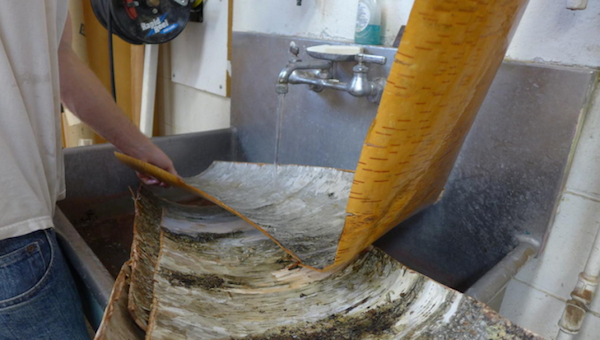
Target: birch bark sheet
[(217, 277)]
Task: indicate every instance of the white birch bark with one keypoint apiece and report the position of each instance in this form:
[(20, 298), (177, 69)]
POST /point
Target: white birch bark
[(301, 207), (117, 324), (233, 282)]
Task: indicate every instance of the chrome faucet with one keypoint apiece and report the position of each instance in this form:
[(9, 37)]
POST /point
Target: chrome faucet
[(318, 74)]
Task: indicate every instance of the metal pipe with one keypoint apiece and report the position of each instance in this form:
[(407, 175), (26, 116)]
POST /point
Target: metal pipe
[(149, 89), (582, 295), (495, 280)]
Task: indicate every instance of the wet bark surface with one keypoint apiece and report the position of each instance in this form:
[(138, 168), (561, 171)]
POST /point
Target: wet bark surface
[(117, 323), (220, 278), (146, 243), (144, 252), (301, 207)]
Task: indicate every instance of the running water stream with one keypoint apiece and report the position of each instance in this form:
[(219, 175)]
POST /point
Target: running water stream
[(279, 123)]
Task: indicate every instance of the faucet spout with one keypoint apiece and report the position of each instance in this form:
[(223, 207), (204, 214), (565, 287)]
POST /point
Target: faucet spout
[(284, 75), (318, 74)]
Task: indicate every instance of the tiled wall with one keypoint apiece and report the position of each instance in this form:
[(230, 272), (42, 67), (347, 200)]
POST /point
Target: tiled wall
[(536, 298)]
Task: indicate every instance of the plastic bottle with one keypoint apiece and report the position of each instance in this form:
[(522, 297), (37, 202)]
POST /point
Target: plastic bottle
[(368, 23)]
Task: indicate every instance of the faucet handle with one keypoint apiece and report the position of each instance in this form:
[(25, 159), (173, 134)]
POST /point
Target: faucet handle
[(294, 49), (370, 58)]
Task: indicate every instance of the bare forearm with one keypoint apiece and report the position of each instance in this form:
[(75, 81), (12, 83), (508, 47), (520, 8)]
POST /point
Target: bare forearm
[(83, 94)]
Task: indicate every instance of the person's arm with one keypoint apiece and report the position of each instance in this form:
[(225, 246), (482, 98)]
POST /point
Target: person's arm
[(83, 93)]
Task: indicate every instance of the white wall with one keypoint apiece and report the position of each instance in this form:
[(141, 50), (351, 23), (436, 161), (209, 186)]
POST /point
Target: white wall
[(548, 31), (183, 109), (551, 33), (322, 19)]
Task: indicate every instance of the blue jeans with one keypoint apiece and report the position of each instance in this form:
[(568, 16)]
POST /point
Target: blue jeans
[(38, 297)]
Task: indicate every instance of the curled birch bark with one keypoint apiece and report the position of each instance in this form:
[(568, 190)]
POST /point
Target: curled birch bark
[(145, 247), (299, 207), (117, 324), (144, 252), (232, 282)]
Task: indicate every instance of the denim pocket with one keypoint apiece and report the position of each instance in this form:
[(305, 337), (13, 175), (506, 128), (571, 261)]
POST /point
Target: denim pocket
[(20, 271)]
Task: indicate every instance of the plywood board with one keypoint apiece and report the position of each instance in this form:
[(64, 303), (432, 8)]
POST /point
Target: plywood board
[(75, 132), (97, 50), (199, 55)]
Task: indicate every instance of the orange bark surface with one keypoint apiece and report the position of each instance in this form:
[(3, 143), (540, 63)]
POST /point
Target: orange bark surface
[(447, 59)]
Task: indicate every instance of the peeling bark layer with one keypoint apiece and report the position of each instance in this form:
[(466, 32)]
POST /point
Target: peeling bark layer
[(449, 55), (300, 207), (117, 324), (232, 282), (144, 252), (145, 247)]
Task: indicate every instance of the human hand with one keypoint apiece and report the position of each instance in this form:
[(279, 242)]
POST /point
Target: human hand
[(150, 153)]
